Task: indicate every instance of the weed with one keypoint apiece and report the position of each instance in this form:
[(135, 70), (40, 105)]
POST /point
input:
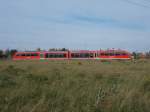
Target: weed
[(74, 86)]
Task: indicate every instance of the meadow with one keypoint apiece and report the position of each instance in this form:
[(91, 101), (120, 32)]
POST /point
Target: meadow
[(75, 86)]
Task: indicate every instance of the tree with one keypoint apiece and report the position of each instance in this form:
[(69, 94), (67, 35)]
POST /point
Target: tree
[(38, 49), (64, 49), (52, 49), (1, 53), (12, 52), (134, 55), (148, 55), (7, 53)]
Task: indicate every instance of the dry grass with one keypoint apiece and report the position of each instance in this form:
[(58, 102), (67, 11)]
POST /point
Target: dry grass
[(74, 86)]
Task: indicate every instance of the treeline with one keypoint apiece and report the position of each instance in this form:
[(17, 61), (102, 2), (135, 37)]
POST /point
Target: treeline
[(7, 54), (141, 55), (53, 49)]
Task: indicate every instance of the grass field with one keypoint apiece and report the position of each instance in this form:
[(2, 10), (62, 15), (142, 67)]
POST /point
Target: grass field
[(74, 86)]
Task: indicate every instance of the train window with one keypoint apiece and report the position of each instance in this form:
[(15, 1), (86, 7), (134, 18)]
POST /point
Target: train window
[(18, 55), (124, 54), (87, 55), (82, 55), (56, 55), (28, 54), (48, 55), (61, 55), (35, 54), (75, 55), (51, 56), (96, 54), (23, 55), (111, 54), (117, 54), (106, 54), (102, 54), (72, 55), (92, 55)]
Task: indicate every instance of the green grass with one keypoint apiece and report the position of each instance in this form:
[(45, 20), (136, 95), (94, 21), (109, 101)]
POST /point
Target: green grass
[(74, 86)]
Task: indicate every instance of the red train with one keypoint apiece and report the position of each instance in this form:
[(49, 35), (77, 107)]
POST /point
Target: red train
[(114, 54), (64, 55)]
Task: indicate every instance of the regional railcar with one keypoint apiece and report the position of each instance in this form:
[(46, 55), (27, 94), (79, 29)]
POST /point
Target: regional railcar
[(114, 54), (56, 55), (27, 56), (82, 54)]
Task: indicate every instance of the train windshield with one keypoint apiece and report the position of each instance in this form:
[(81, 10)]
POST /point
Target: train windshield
[(41, 55)]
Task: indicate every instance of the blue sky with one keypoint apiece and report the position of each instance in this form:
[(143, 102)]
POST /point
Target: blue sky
[(75, 24)]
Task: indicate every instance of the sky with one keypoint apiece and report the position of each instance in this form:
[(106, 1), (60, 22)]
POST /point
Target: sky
[(75, 24)]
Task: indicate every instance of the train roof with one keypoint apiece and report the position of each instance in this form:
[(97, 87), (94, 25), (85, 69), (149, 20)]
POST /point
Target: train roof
[(78, 51), (27, 52)]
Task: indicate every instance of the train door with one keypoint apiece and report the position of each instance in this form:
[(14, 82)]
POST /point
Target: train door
[(42, 56)]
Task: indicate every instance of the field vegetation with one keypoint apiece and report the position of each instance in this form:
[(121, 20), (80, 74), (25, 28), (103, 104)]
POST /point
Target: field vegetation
[(75, 86)]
